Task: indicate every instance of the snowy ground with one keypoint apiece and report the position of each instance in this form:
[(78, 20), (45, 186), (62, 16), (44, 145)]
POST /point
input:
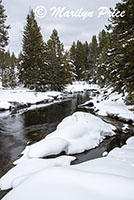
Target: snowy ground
[(24, 96), (80, 87), (111, 104), (21, 97), (111, 177)]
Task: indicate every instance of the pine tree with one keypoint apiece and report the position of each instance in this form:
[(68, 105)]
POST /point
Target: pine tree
[(78, 56), (13, 71), (9, 72), (121, 60), (68, 75), (72, 54), (3, 28), (92, 59), (102, 65), (86, 63), (58, 67), (33, 66), (3, 39)]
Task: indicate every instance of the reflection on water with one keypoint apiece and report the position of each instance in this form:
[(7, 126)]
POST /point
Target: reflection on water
[(11, 140)]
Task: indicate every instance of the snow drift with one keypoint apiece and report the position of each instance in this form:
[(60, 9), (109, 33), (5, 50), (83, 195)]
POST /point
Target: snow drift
[(110, 178), (75, 134)]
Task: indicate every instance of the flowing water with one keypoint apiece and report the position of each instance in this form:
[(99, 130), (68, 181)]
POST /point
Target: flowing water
[(18, 130)]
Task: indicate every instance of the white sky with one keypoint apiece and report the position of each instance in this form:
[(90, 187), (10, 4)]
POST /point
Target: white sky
[(69, 28)]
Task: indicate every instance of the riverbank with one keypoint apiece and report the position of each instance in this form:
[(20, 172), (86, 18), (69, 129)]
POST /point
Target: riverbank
[(22, 98), (104, 102), (109, 103)]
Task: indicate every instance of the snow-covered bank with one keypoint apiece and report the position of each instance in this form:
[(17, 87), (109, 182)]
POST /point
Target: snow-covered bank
[(22, 171), (111, 104), (110, 178), (80, 86), (75, 134), (21, 98), (105, 102)]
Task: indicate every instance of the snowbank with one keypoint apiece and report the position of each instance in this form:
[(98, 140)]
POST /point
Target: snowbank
[(75, 134), (111, 105), (109, 178), (115, 106), (80, 86), (8, 98), (27, 168), (22, 97)]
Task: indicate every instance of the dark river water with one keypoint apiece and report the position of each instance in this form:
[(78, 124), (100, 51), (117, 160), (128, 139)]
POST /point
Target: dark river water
[(17, 130)]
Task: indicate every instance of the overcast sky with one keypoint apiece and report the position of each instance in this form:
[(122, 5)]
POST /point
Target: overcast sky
[(70, 28)]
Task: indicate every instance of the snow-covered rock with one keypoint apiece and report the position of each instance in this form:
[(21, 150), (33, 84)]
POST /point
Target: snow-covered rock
[(125, 127), (105, 154), (81, 131), (75, 134), (54, 94), (4, 105)]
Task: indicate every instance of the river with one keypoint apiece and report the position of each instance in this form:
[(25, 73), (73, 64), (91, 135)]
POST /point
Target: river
[(18, 130)]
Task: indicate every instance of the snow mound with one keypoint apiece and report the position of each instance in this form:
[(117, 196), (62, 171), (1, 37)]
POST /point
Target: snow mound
[(99, 179), (4, 105), (110, 178), (47, 147), (81, 131), (25, 169), (64, 183), (130, 140), (75, 134)]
